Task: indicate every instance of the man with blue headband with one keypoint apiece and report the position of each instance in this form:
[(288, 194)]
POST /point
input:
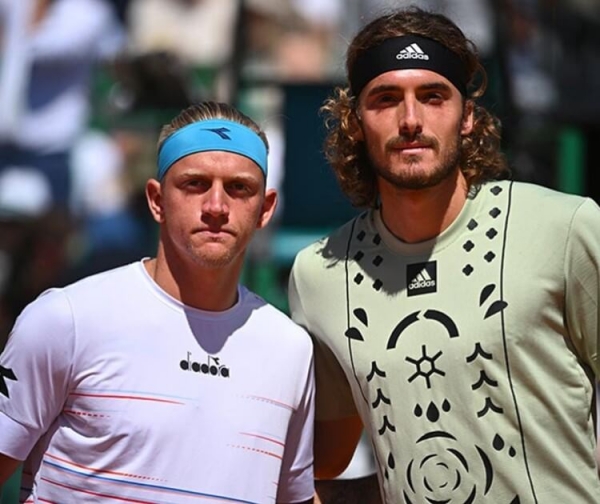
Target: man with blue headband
[(165, 380), (455, 318)]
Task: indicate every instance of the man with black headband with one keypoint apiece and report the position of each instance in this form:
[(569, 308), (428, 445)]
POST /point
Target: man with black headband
[(456, 319), (165, 380)]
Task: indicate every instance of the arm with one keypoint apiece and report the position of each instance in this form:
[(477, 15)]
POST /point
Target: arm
[(296, 479), (335, 444), (8, 466), (337, 427), (35, 370), (582, 273), (598, 425)]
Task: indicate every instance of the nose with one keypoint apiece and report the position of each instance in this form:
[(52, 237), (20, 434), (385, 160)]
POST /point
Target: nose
[(215, 203), (410, 121)]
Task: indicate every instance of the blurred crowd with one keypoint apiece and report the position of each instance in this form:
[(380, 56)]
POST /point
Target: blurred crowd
[(86, 84)]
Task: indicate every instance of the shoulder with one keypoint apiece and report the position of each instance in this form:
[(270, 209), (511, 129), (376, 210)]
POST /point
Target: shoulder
[(533, 204), (53, 311), (273, 321), (266, 327), (103, 290), (329, 250), (44, 327), (109, 277), (314, 281), (565, 211), (56, 310), (544, 198), (50, 308)]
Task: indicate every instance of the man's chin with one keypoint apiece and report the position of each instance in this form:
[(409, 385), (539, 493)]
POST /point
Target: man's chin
[(213, 263), (215, 256)]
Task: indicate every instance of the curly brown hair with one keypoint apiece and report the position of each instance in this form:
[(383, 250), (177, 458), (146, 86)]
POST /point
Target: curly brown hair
[(480, 156)]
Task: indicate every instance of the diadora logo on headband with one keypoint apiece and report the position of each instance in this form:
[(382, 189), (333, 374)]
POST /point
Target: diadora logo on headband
[(208, 135), (220, 131), (413, 51)]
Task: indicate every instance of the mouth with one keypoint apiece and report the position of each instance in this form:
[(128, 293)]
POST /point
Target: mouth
[(214, 232), (413, 144), (410, 147)]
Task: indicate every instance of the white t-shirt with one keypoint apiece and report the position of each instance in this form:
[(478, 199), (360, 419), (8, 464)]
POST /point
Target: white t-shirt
[(113, 390)]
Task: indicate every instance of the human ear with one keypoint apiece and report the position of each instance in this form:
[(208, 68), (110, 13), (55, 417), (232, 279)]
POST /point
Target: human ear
[(154, 200), (355, 130), (268, 208), (468, 118)]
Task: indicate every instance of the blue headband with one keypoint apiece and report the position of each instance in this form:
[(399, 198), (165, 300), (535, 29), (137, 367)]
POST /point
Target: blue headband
[(212, 135)]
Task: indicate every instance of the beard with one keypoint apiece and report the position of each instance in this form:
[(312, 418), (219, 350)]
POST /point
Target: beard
[(412, 177)]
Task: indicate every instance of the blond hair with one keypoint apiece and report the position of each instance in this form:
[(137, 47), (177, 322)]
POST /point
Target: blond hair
[(209, 110)]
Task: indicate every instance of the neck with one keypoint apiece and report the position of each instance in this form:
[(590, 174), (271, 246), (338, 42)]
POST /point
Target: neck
[(414, 216), (209, 289)]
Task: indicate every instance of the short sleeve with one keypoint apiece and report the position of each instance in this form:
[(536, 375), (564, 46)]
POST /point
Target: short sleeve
[(333, 399), (582, 272), (296, 483), (34, 372)]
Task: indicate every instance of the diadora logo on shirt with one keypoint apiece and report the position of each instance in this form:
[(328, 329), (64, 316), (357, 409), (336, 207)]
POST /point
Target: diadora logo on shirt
[(212, 366), (413, 51), (421, 278)]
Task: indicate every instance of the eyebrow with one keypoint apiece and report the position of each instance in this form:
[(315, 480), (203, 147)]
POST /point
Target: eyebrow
[(241, 177), (442, 86), (429, 86)]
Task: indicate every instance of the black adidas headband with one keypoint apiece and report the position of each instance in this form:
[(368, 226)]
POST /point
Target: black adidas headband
[(405, 52)]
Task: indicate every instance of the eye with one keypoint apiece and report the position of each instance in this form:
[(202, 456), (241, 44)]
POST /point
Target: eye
[(381, 101), (433, 98), (196, 184), (385, 99), (240, 188)]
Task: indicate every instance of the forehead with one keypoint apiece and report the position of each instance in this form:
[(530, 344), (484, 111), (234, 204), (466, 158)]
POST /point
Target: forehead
[(217, 164), (413, 78)]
